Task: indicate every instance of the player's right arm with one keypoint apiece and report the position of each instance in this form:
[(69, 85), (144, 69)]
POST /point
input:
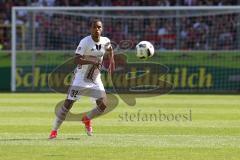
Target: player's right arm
[(83, 60), (80, 58)]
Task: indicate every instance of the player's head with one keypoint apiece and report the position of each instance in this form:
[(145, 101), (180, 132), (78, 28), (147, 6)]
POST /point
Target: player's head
[(96, 28)]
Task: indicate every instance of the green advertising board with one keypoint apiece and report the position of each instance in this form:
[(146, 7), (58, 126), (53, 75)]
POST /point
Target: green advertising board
[(183, 78), (5, 71), (5, 79), (187, 71)]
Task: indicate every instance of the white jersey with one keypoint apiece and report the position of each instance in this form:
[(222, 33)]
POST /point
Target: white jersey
[(80, 85), (88, 47)]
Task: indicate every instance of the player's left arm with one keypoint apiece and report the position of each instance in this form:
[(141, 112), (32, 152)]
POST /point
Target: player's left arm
[(110, 53)]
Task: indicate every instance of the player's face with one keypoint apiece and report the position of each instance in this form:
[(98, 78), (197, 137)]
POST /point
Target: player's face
[(96, 29)]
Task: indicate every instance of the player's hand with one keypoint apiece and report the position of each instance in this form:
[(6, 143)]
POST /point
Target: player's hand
[(97, 64)]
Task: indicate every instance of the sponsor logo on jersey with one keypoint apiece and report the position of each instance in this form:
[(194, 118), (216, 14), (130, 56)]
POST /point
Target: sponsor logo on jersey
[(98, 47), (79, 48)]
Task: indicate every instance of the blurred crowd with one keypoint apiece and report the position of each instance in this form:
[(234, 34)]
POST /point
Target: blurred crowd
[(197, 32), (166, 33)]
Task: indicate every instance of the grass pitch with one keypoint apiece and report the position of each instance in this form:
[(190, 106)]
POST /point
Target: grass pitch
[(212, 133)]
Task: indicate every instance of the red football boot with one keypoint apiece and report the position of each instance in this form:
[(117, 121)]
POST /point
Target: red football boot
[(53, 134), (88, 125)]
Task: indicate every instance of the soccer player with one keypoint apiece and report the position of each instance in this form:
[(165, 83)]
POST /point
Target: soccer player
[(88, 58)]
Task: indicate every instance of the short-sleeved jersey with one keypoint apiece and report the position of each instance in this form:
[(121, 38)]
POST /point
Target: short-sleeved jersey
[(88, 47)]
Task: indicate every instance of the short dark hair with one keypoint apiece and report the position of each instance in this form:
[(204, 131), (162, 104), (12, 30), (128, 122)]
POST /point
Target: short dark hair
[(94, 20)]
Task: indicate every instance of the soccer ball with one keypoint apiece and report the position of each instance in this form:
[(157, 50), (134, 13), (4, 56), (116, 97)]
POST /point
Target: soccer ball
[(145, 50)]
